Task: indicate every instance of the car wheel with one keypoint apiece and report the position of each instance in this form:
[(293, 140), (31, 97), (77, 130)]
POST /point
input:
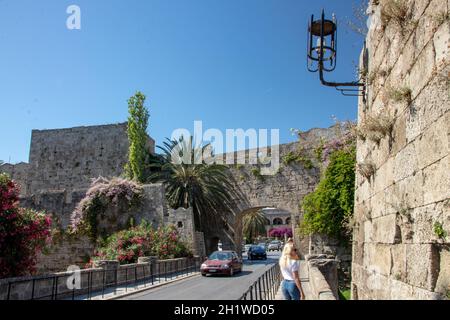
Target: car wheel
[(203, 274)]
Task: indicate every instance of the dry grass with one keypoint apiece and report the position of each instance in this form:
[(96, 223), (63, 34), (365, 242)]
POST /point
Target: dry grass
[(441, 17), (375, 128), (399, 94), (367, 169), (396, 11), (377, 73)]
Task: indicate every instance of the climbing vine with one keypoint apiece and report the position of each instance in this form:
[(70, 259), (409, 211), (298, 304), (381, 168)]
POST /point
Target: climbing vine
[(330, 207)]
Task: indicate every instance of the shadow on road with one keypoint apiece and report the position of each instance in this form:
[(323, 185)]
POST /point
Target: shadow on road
[(243, 273)]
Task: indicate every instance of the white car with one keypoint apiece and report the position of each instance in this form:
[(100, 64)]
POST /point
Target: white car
[(274, 245)]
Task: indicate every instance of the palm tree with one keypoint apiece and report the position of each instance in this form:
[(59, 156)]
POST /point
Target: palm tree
[(206, 188), (254, 224)]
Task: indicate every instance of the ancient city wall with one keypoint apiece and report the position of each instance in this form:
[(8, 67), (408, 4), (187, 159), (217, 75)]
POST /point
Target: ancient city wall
[(284, 190), (69, 250), (402, 207), (67, 159)]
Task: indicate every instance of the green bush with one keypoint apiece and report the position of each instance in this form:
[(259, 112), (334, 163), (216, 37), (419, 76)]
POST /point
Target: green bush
[(330, 206)]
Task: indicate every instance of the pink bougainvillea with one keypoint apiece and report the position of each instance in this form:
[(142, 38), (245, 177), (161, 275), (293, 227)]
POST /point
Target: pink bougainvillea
[(280, 232), (23, 232), (127, 246), (102, 193)]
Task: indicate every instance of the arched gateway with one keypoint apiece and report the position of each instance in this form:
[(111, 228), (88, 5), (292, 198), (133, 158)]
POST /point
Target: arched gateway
[(283, 190)]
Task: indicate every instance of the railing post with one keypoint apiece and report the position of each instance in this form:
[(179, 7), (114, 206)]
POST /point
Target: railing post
[(8, 296), (54, 291), (32, 289)]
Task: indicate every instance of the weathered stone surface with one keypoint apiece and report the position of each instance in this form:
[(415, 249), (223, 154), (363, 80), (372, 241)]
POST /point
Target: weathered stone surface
[(443, 281), (436, 181), (67, 159), (422, 265)]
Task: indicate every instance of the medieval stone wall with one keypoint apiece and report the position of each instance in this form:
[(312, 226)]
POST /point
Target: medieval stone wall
[(67, 159), (402, 191), (284, 190), (69, 250)]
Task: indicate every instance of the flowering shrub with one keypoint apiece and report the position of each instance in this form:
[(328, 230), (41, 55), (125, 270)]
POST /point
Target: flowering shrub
[(101, 194), (280, 232), (127, 246), (23, 232)]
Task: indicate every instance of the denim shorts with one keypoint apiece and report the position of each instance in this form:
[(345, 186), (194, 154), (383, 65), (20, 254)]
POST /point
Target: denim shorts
[(290, 290)]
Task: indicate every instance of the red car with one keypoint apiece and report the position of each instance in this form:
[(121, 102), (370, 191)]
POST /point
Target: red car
[(222, 262)]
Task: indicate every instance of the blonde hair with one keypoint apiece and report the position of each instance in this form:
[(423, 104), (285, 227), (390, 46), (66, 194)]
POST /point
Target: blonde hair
[(286, 255)]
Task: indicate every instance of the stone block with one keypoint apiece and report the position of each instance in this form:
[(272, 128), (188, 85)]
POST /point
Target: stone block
[(422, 265), (377, 258), (424, 219), (406, 193), (422, 71), (436, 181), (400, 290), (443, 281), (378, 205), (441, 41), (405, 163), (433, 144), (384, 229), (399, 134)]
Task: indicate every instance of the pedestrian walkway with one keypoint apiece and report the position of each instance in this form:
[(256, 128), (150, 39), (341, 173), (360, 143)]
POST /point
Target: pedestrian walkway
[(131, 288), (304, 278)]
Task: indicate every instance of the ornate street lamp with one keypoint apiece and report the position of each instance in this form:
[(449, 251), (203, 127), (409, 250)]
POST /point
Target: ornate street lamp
[(322, 54)]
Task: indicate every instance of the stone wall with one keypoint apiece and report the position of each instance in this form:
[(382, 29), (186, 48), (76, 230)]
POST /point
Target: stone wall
[(323, 276), (284, 191), (67, 159), (69, 250), (397, 254)]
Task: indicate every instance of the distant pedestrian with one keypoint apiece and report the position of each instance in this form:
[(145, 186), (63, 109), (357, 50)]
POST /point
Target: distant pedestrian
[(291, 286)]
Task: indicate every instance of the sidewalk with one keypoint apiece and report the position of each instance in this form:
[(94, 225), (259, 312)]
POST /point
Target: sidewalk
[(132, 288), (304, 278)]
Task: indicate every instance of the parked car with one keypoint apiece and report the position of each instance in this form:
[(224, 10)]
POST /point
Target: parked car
[(222, 262), (257, 252), (274, 245)]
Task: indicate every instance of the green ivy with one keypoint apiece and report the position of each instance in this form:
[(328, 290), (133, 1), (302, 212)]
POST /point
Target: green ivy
[(298, 157), (439, 230), (330, 206), (257, 173)]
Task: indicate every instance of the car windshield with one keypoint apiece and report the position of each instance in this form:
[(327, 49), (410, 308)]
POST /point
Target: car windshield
[(275, 242), (258, 248), (221, 256)]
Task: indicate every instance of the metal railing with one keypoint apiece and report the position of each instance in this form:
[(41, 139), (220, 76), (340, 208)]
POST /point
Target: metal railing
[(101, 283), (266, 286)]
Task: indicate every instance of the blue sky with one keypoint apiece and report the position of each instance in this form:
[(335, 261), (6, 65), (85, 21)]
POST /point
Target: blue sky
[(230, 63)]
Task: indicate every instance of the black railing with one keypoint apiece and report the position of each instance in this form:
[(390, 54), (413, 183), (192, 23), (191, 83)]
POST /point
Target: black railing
[(100, 283), (265, 287)]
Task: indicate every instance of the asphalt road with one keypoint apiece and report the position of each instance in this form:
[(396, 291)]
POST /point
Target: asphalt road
[(211, 287)]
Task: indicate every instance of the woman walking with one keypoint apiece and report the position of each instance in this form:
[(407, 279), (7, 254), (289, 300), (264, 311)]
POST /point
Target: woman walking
[(291, 286)]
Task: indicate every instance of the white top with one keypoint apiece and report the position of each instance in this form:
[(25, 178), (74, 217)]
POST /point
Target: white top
[(291, 267)]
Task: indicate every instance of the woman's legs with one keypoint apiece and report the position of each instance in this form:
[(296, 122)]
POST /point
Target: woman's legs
[(290, 290), (294, 292)]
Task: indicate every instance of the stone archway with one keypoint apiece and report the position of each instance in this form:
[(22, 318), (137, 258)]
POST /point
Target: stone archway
[(212, 244)]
